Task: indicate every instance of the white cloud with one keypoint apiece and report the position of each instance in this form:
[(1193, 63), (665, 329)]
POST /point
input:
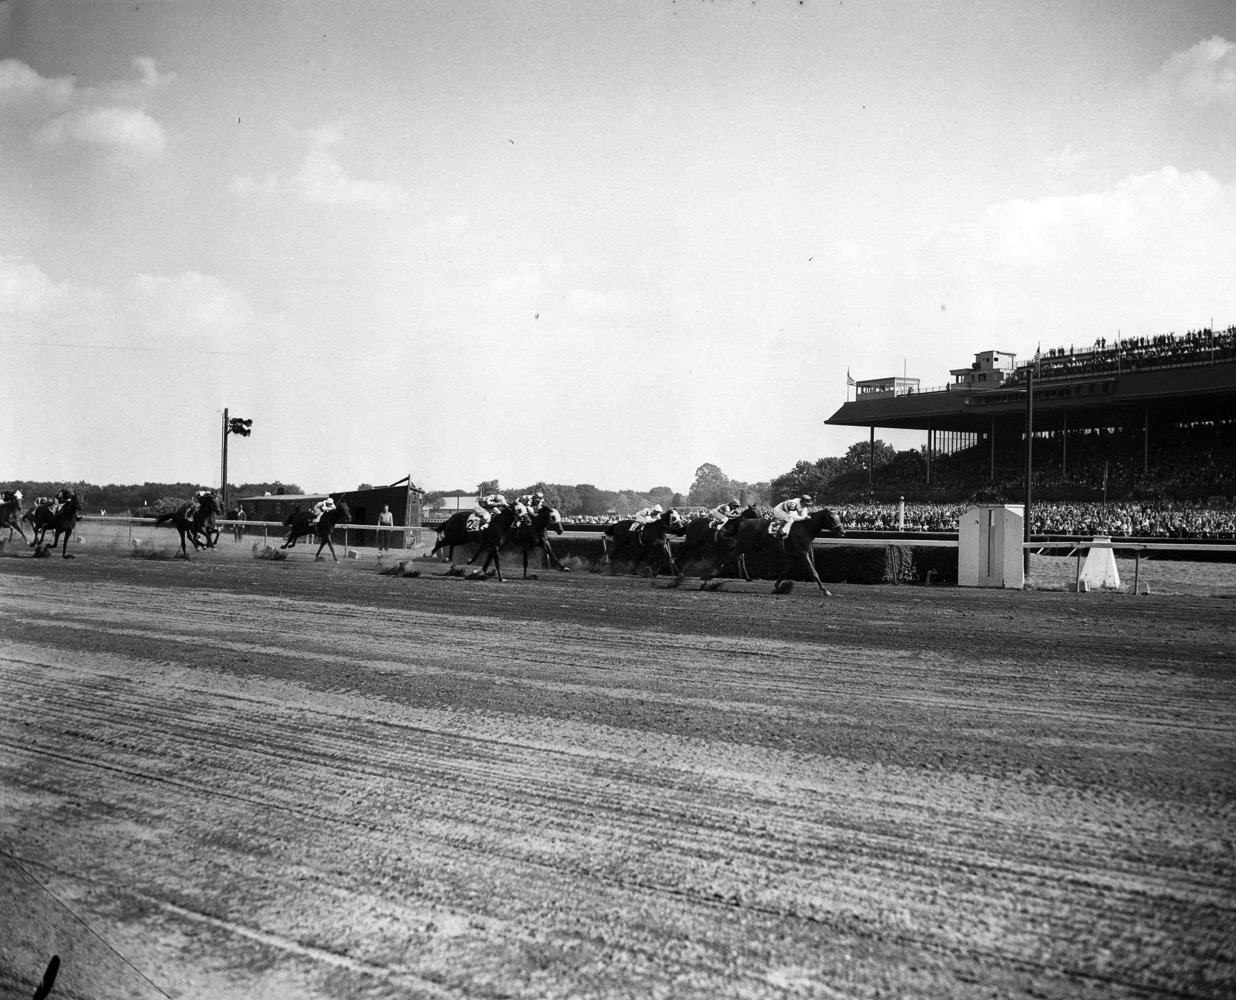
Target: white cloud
[(321, 179), (151, 77), (126, 136), (189, 311), (26, 293), (107, 123), (1184, 223), (1204, 75)]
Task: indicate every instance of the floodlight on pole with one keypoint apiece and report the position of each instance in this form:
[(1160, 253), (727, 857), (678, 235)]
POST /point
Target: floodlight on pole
[(233, 425)]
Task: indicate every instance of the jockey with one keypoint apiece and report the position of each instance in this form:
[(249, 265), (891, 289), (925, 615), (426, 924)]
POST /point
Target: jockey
[(791, 510), (322, 507), (648, 514), (722, 513), (196, 503), (486, 505), (12, 497), (529, 504)]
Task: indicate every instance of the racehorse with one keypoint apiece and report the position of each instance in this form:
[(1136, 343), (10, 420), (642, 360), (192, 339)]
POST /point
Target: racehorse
[(700, 533), (535, 536), (10, 513), (302, 524), (796, 547), (491, 538), (645, 538), (454, 532), (62, 520), (200, 522)]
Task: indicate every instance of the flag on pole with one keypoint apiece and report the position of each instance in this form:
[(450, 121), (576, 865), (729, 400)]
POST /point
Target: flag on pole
[(848, 379)]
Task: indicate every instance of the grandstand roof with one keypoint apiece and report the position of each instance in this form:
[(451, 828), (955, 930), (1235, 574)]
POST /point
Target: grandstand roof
[(1098, 395)]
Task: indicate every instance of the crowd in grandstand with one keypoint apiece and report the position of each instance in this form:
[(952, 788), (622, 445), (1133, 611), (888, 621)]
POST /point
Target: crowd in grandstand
[(1133, 353)]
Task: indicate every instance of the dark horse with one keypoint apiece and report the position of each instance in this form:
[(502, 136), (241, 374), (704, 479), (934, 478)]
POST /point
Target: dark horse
[(535, 536), (645, 538), (798, 547), (488, 539), (62, 520), (10, 513), (200, 522), (302, 525), (700, 533)]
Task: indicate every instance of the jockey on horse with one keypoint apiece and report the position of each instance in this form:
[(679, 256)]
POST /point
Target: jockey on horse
[(10, 512), (648, 530)]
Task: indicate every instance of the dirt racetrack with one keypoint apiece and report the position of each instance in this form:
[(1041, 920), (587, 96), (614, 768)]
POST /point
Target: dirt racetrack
[(234, 778)]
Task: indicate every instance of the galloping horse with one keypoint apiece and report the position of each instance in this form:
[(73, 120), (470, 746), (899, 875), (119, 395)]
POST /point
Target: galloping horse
[(535, 536), (454, 532), (700, 533), (200, 522), (491, 538), (62, 520), (645, 537), (302, 524), (10, 513), (796, 547)]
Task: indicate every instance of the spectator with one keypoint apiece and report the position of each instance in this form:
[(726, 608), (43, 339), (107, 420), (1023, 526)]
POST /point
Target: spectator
[(386, 521)]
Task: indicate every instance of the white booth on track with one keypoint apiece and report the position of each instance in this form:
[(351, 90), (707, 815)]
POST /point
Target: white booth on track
[(989, 547)]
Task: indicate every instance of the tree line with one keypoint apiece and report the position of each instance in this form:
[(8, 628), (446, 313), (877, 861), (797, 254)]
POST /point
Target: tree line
[(711, 486)]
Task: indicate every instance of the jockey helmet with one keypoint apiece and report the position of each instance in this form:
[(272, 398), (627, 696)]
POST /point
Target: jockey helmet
[(657, 508), (539, 495), (805, 498), (17, 494), (734, 502)]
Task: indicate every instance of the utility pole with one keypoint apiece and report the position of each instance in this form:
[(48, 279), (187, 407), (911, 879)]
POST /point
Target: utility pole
[(235, 425)]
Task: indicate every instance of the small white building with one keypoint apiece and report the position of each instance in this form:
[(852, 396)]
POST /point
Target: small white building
[(989, 371)]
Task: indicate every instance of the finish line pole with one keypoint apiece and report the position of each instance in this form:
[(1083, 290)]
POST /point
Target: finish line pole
[(1025, 527)]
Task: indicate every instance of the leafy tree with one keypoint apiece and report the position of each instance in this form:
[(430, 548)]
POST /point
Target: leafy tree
[(487, 486), (662, 495), (430, 500), (365, 486), (591, 503), (711, 486), (858, 455)]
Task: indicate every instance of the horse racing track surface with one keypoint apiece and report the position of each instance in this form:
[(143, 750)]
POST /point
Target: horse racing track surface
[(295, 779)]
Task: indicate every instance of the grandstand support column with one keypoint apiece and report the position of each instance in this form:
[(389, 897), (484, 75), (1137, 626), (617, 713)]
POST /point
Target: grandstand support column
[(1025, 528), (1146, 441), (930, 440), (992, 475), (1064, 444), (871, 456)]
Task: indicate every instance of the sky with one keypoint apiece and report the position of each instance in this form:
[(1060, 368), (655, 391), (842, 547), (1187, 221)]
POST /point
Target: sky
[(577, 242)]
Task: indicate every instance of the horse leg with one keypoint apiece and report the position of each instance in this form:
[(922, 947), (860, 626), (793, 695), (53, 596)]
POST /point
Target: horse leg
[(553, 559), (669, 557), (525, 564), (808, 556)]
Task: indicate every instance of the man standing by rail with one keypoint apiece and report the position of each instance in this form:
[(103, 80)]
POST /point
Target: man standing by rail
[(386, 521)]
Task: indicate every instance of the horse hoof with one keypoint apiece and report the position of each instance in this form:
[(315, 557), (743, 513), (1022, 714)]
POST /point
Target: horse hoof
[(564, 569), (828, 593)]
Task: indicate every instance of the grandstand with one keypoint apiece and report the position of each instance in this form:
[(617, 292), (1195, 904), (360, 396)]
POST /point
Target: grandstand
[(1141, 418)]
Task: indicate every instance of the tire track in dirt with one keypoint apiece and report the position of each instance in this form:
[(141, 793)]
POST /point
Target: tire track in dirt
[(596, 853)]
